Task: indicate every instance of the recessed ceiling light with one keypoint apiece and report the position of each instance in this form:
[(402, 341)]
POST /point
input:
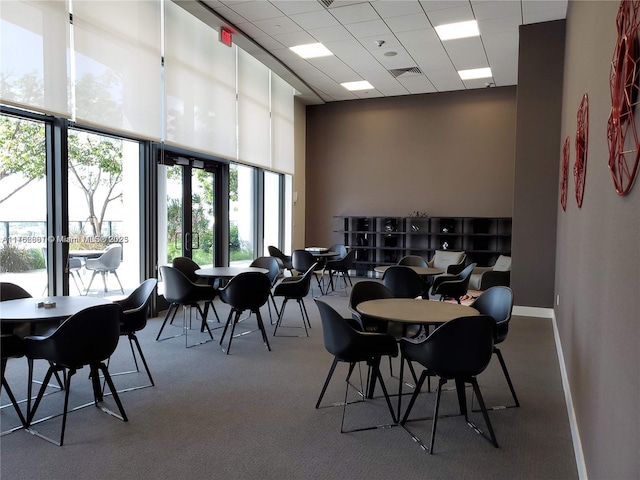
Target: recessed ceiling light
[(451, 31), (361, 85), (474, 73), (311, 50), (390, 54)]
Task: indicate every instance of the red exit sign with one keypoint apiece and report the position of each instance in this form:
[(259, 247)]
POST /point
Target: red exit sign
[(225, 36)]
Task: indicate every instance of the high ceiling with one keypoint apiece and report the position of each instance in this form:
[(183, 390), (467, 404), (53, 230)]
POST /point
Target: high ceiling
[(390, 43)]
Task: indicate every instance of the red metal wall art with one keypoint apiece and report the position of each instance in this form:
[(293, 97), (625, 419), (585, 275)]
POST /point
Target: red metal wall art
[(564, 181), (622, 127), (582, 142)]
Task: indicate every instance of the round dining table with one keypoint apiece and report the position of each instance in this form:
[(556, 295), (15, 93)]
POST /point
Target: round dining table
[(414, 311), (422, 271), (411, 311), (227, 272), (26, 310)]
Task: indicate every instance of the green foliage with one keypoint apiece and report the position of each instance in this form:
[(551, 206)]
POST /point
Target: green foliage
[(14, 259)]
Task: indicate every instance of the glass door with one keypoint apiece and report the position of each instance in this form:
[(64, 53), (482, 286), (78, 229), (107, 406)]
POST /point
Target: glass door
[(186, 210)]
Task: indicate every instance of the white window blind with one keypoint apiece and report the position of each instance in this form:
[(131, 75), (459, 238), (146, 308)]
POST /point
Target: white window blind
[(200, 86), (282, 125), (34, 45), (117, 65), (254, 135)]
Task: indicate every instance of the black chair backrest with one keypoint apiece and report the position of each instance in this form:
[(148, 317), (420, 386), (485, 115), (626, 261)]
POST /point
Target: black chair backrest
[(347, 344), (177, 287), (340, 249), (465, 274), (497, 302), (187, 266), (11, 291), (367, 290), (11, 346), (345, 263), (89, 336), (136, 306), (413, 260), (302, 260), (247, 291), (271, 264), (403, 281), (462, 347)]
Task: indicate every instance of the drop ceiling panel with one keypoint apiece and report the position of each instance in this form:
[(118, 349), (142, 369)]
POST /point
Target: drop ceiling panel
[(350, 29)]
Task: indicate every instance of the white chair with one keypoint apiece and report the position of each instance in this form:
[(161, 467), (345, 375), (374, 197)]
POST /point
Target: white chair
[(107, 263), (483, 278)]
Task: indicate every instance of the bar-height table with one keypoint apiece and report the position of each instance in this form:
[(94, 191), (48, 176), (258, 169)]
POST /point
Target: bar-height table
[(410, 311)]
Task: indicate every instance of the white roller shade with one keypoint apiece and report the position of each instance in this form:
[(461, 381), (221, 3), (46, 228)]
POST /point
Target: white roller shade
[(254, 124), (34, 65), (282, 123), (118, 65), (200, 86)]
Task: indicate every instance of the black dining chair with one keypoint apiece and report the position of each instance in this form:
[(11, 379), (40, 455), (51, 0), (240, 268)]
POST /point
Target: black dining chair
[(294, 288), (352, 346), (302, 260), (453, 286), (340, 267), (402, 281), (180, 291), (272, 264), (413, 261), (246, 291), (135, 313), (12, 346), (87, 338), (188, 267), (458, 350), (497, 302), (277, 253)]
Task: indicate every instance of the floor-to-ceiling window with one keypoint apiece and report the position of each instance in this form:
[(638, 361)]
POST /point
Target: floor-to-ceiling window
[(242, 214), (272, 212), (23, 203), (103, 209)]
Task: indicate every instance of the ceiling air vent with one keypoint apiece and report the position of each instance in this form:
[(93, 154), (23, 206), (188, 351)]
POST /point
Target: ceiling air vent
[(326, 3), (405, 72)]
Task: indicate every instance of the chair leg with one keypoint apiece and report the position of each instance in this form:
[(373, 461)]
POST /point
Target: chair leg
[(273, 300), (66, 404), (506, 375), (12, 398), (416, 392), (476, 390), (303, 312), (326, 382), (132, 336), (172, 308), (441, 382), (280, 316), (376, 372), (93, 275), (262, 329), (112, 388), (226, 325), (118, 279)]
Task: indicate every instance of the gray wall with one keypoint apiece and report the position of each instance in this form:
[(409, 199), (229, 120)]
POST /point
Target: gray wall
[(598, 260), (446, 154), (540, 68)]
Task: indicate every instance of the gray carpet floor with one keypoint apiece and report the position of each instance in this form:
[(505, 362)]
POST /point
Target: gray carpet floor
[(251, 415)]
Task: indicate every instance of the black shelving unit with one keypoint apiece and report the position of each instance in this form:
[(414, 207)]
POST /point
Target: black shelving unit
[(383, 240)]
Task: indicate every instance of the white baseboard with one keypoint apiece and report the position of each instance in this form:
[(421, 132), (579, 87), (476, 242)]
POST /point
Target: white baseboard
[(575, 433), (533, 312)]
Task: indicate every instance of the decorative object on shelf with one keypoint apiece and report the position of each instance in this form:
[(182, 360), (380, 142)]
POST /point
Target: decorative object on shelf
[(622, 131), (564, 182), (418, 214), (445, 245), (415, 228), (582, 142)]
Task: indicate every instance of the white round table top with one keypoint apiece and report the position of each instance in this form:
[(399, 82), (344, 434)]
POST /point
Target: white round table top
[(227, 272), (410, 310), (27, 310), (85, 253), (419, 270)]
